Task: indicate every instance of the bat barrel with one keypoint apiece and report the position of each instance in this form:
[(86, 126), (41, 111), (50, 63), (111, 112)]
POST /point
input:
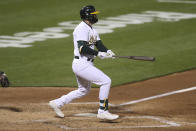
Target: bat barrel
[(144, 58)]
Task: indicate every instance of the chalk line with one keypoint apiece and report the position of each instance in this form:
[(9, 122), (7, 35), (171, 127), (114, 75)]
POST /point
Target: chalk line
[(164, 123), (157, 96), (143, 99), (135, 101), (178, 1)]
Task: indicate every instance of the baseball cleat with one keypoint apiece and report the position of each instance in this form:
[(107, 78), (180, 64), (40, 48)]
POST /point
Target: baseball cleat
[(57, 110), (107, 115)]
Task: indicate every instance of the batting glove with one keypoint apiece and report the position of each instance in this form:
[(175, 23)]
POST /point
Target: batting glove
[(111, 54), (103, 55)]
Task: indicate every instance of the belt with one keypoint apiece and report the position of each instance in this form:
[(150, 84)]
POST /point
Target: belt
[(89, 59)]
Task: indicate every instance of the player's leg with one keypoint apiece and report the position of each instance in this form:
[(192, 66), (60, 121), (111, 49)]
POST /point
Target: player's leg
[(96, 76), (83, 89)]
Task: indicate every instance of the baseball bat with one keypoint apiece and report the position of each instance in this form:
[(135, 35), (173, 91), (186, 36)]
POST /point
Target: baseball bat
[(144, 58)]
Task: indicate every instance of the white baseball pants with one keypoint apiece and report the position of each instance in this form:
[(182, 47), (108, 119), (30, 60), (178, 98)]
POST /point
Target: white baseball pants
[(86, 73)]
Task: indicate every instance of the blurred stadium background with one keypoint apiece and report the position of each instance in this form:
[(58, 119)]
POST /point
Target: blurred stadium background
[(48, 62)]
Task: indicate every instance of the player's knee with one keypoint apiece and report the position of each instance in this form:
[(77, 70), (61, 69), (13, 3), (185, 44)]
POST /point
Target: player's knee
[(107, 81), (83, 91)]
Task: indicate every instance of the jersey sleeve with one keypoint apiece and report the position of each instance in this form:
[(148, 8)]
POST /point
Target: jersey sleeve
[(82, 35), (100, 46), (84, 49)]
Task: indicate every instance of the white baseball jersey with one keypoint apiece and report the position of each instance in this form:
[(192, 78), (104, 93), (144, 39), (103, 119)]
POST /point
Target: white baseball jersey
[(84, 32), (85, 71)]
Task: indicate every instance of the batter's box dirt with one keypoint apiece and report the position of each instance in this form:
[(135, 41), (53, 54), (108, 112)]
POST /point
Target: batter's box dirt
[(9, 108), (90, 122), (26, 108)]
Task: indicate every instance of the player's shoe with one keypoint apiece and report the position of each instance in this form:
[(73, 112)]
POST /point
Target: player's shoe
[(57, 110), (107, 116)]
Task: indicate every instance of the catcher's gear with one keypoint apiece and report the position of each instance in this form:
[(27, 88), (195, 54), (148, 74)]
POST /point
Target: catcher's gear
[(4, 80), (89, 13)]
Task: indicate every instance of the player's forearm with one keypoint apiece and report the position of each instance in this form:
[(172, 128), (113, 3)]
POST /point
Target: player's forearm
[(84, 49), (100, 46)]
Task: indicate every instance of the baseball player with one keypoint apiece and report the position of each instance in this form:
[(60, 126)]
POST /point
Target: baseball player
[(86, 39), (4, 82)]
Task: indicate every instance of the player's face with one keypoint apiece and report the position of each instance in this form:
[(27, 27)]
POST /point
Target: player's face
[(95, 19)]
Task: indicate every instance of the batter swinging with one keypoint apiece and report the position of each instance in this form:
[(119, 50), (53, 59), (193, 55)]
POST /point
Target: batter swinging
[(85, 40)]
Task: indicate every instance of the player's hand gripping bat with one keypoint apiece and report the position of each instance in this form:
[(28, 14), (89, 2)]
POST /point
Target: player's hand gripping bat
[(144, 58)]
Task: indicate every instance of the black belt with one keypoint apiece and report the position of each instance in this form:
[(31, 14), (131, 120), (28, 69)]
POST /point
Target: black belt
[(89, 59)]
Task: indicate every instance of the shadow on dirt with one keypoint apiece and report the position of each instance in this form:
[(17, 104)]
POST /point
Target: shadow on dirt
[(13, 109)]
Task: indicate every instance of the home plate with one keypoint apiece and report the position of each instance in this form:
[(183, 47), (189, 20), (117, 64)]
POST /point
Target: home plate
[(86, 115)]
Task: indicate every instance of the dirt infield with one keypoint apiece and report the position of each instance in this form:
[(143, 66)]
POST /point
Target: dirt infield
[(165, 104)]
